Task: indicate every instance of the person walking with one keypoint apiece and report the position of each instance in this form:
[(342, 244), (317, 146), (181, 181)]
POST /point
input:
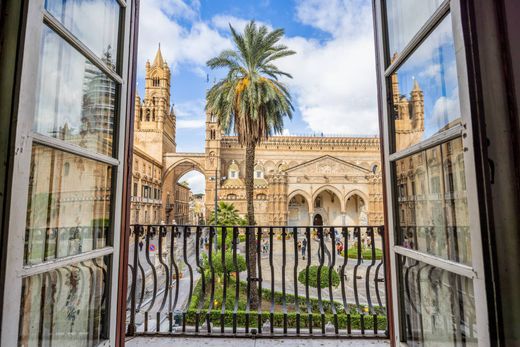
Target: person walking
[(339, 247), (141, 244), (304, 248)]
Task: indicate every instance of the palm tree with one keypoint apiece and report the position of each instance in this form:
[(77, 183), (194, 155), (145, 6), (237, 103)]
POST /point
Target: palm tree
[(251, 102), (227, 215)]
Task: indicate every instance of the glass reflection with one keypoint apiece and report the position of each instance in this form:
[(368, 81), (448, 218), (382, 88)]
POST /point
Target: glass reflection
[(439, 306), (424, 90), (69, 205), (405, 18), (76, 101), (65, 307), (94, 22), (433, 207)]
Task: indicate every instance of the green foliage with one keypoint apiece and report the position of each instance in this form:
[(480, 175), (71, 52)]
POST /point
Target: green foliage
[(354, 313), (366, 253), (230, 266), (227, 215), (278, 319), (324, 277), (250, 100)]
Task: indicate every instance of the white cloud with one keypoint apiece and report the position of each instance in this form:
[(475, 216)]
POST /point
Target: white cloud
[(190, 123), (191, 46), (286, 132), (334, 82), (195, 180), (445, 110), (222, 22)]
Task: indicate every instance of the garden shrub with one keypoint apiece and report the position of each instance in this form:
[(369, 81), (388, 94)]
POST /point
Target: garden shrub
[(313, 277), (366, 253)]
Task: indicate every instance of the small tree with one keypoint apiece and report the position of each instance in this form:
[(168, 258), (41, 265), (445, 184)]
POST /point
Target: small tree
[(324, 277), (227, 214), (251, 102)]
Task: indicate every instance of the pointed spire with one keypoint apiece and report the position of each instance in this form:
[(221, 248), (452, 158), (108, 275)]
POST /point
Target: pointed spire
[(416, 86), (158, 61)]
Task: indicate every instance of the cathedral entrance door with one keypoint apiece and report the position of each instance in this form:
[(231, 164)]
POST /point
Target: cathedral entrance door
[(318, 220)]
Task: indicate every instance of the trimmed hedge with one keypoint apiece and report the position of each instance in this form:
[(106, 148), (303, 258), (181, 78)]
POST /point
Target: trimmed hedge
[(278, 319), (230, 265), (366, 253), (313, 277), (352, 310)]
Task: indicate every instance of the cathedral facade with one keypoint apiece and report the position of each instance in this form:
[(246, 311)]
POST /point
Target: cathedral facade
[(299, 180), (154, 200)]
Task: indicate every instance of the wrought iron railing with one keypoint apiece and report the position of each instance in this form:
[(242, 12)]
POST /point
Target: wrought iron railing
[(259, 280)]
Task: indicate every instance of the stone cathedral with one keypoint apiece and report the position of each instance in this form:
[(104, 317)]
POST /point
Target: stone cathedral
[(299, 180)]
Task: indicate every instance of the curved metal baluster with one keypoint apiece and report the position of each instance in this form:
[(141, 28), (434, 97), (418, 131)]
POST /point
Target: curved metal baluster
[(130, 292), (357, 233), (377, 280), (370, 233), (187, 233), (407, 283), (202, 278), (344, 232), (162, 234), (332, 264), (321, 255), (90, 294), (284, 299), (131, 328), (259, 257), (271, 265), (154, 272), (237, 278), (248, 283), (175, 234), (431, 310), (143, 283), (295, 278), (307, 298), (224, 274), (212, 232)]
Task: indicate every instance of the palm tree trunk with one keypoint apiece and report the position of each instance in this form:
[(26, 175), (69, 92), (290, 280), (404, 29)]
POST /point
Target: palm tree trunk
[(250, 186)]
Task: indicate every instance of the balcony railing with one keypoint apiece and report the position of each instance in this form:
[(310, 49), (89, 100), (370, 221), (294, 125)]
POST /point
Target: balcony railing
[(260, 280)]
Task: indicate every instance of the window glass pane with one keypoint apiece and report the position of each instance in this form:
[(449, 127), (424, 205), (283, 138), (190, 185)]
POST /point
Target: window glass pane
[(439, 306), (425, 98), (69, 205), (405, 18), (76, 101), (65, 307), (433, 207), (94, 22)]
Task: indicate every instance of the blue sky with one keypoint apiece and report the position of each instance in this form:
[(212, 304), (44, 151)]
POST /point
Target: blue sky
[(334, 75), (334, 84)]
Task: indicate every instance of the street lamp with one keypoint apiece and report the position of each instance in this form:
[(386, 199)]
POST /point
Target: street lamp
[(215, 178)]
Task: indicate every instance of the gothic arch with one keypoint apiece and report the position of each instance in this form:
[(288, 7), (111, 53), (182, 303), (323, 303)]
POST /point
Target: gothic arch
[(332, 189), (303, 193), (358, 192), (195, 166)]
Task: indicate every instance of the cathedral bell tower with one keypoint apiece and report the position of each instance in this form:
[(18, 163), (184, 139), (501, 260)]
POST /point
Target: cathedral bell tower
[(154, 115), (213, 165)]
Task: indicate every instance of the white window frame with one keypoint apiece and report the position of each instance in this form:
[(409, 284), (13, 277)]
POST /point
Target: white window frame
[(464, 131), (24, 138)]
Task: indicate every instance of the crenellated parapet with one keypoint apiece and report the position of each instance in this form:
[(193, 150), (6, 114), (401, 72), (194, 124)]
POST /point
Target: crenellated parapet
[(306, 143)]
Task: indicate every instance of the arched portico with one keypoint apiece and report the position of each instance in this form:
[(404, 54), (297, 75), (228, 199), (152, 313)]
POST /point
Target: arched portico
[(327, 204), (176, 166), (299, 209), (356, 208)]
